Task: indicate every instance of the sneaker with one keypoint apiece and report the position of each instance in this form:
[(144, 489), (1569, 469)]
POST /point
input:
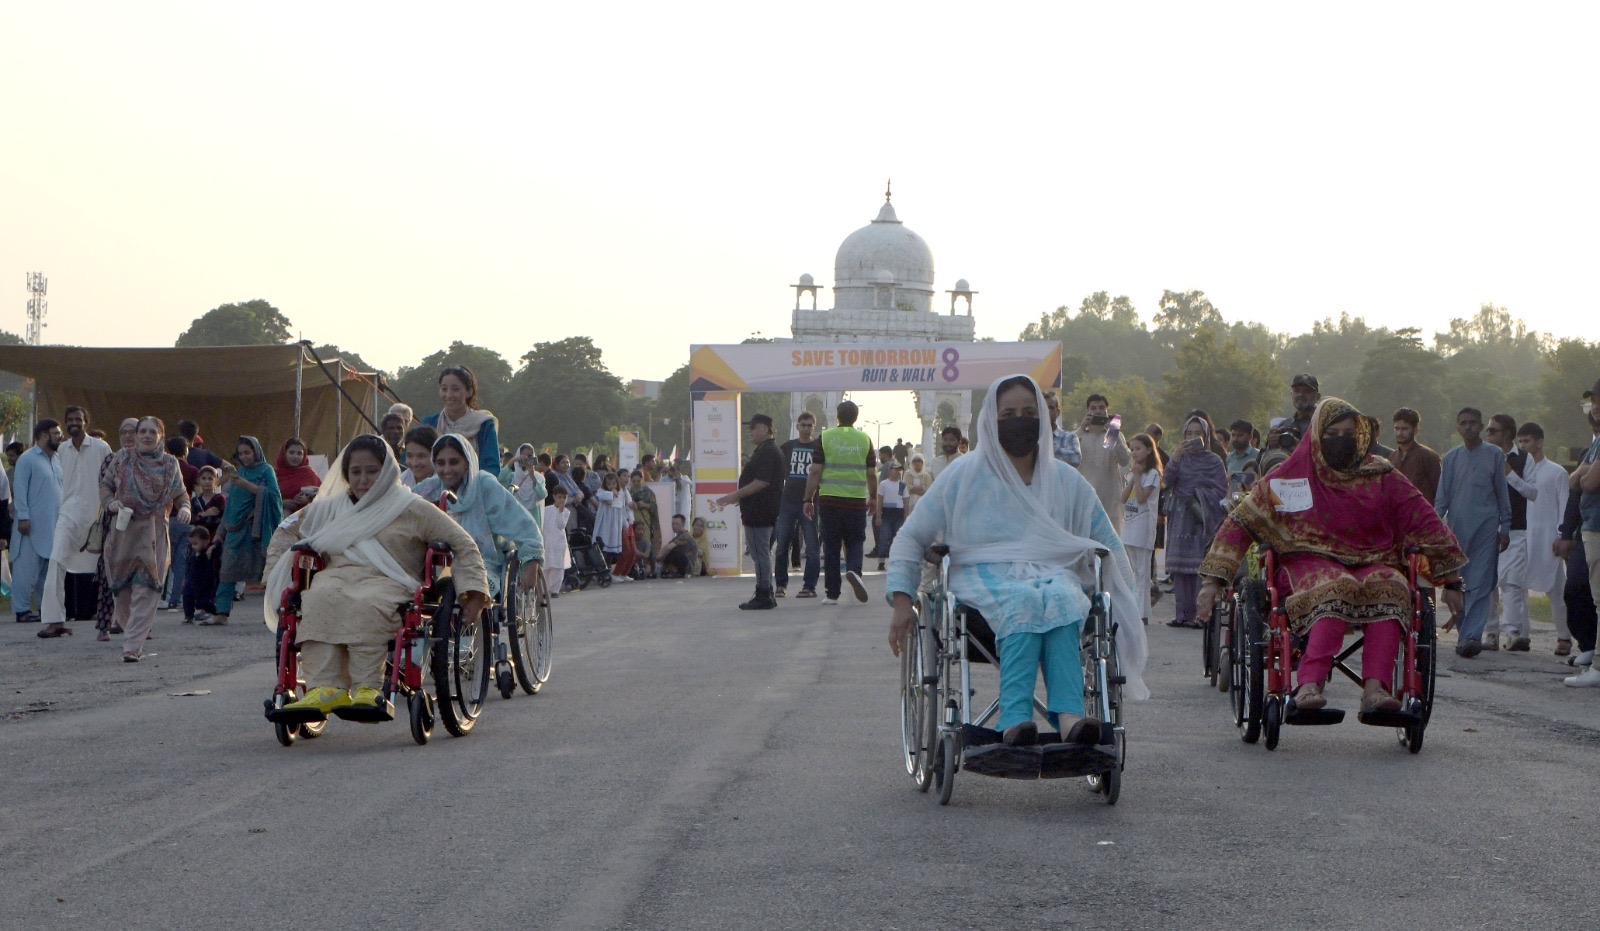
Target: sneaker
[(202, 616), (621, 578), (1588, 678), (366, 697), (830, 600), (758, 603), (1520, 645), (880, 566), (805, 593), (857, 586), (323, 698), (1467, 649)]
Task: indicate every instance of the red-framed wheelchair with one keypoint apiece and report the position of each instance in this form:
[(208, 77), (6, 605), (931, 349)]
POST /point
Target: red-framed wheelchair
[(1265, 665), (433, 639)]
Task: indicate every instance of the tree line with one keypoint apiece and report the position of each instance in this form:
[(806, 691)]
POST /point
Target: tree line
[(1189, 357)]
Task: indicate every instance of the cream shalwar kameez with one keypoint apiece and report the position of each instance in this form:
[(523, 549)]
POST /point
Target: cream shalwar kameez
[(351, 609), (80, 508)]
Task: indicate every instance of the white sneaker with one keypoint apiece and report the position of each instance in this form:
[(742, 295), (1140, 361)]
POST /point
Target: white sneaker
[(1581, 659), (621, 578), (857, 586), (1588, 678), (830, 601)]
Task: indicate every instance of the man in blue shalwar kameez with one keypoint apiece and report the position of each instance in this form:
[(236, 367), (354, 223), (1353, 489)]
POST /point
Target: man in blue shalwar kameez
[(1475, 503)]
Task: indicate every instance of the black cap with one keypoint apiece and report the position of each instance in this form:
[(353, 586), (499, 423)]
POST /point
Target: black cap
[(761, 419), (1594, 390), (1310, 381)]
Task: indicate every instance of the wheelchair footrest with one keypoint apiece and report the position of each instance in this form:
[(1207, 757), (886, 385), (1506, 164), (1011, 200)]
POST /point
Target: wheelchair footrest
[(1387, 718), (367, 714), (1321, 716), (987, 755), (295, 715)]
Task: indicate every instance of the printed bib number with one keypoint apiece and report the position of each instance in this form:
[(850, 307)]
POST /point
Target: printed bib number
[(1292, 495)]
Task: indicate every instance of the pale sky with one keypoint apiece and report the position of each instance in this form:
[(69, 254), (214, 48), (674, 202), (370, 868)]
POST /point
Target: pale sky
[(396, 176)]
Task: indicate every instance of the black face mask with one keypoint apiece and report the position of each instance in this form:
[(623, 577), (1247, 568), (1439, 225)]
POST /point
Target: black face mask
[(1339, 452), (1019, 436)]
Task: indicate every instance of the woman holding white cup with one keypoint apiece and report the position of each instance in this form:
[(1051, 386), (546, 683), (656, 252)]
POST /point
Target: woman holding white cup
[(142, 486)]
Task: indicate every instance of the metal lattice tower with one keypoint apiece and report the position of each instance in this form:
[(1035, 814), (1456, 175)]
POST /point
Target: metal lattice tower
[(37, 284)]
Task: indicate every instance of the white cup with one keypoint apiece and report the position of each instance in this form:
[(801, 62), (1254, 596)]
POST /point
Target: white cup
[(124, 518)]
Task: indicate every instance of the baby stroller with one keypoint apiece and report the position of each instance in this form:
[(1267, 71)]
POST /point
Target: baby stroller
[(588, 561)]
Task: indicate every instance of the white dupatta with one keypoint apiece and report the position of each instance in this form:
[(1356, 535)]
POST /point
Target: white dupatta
[(333, 523), (1042, 545)]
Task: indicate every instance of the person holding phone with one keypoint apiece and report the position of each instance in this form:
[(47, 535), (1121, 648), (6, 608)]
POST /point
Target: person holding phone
[(297, 481), (1102, 465), (1197, 484)]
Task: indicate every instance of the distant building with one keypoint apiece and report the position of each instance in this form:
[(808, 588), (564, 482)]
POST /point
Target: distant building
[(883, 292), (643, 388)]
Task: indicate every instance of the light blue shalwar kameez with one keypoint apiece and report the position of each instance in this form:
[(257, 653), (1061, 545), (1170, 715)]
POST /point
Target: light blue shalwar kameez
[(1474, 501), (489, 513), (1035, 609)]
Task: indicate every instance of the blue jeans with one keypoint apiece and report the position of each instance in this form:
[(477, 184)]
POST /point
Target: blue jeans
[(893, 520), (841, 527), (180, 562), (758, 542), (791, 515), (1022, 655)]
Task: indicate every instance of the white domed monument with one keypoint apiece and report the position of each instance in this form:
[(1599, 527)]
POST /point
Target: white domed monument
[(883, 287)]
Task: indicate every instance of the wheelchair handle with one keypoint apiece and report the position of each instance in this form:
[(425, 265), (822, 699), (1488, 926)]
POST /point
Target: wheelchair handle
[(936, 552)]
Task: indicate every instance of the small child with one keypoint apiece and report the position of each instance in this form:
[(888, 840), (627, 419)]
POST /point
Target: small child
[(556, 555), (200, 585)]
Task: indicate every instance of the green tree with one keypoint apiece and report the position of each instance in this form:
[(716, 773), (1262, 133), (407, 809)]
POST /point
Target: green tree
[(563, 393), (673, 409), (11, 383), (329, 351), (1399, 371), (14, 411), (1572, 365), (1104, 338), (252, 323), (1495, 363), (1181, 314), (418, 385), (1214, 372), (1334, 351)]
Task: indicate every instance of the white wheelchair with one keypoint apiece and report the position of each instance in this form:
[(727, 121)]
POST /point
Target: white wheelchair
[(942, 729)]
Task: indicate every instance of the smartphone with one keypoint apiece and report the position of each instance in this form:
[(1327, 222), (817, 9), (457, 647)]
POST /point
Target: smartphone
[(1196, 443)]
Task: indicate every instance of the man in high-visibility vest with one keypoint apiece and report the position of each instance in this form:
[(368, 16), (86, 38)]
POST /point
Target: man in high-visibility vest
[(840, 490)]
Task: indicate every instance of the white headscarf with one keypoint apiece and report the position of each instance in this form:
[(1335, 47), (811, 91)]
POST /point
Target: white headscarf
[(333, 523), (1043, 541)]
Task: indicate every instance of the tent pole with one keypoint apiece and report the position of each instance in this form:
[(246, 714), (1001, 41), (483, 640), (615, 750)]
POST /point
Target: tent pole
[(338, 425), (299, 386)]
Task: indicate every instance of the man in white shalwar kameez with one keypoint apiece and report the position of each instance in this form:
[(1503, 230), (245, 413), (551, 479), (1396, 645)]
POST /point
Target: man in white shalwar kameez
[(1019, 524), (81, 457), (1547, 572)]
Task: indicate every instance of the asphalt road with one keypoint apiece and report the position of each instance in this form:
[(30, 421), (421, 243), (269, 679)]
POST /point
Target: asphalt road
[(694, 766)]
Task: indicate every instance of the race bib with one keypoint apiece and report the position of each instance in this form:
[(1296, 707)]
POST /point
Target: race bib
[(1292, 495)]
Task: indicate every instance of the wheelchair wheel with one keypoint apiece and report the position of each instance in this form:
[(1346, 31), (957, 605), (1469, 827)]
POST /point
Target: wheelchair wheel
[(1251, 600), (1272, 721), (1427, 667), (1223, 622), (532, 640), (461, 666), (915, 747), (1210, 644), (1238, 666), (944, 772), (421, 717)]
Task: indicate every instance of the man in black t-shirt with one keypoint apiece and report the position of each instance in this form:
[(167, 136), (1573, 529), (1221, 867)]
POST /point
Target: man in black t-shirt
[(759, 496), (798, 454)]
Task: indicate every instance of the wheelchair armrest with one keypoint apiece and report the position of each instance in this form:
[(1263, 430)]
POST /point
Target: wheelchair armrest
[(302, 547), (936, 552), (1102, 552), (440, 546)]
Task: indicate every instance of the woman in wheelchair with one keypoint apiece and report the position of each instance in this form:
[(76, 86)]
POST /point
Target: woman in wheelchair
[(1018, 525), (1341, 522), (486, 509), (374, 535)]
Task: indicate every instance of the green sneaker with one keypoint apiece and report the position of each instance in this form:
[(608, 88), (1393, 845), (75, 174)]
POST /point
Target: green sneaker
[(365, 697), (323, 698)]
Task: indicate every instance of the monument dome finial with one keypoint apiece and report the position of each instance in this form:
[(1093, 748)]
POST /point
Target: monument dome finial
[(888, 187)]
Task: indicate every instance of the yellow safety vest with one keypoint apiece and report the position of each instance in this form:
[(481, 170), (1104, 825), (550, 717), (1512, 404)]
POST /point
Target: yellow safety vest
[(844, 463)]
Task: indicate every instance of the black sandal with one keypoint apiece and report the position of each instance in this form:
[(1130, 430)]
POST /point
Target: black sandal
[(1084, 731)]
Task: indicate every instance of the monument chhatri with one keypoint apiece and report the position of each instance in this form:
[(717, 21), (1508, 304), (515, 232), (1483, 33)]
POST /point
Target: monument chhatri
[(883, 291)]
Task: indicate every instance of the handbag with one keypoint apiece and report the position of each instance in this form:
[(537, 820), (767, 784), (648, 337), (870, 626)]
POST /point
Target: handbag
[(95, 542)]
